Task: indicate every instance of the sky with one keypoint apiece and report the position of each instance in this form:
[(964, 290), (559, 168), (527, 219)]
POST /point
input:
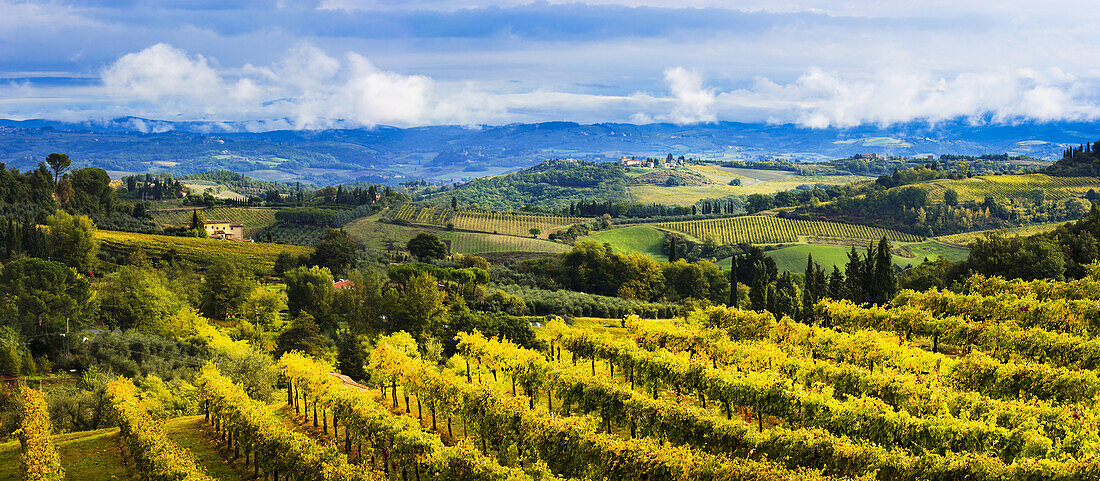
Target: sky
[(314, 64)]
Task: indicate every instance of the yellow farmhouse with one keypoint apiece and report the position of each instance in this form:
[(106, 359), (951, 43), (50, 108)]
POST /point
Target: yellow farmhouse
[(223, 229)]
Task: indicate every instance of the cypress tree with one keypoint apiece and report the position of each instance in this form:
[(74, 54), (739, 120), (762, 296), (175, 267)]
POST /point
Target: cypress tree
[(853, 277), (733, 282), (884, 281), (869, 289), (672, 254), (811, 292), (758, 292)]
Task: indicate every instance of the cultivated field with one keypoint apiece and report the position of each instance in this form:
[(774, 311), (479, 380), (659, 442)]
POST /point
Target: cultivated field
[(259, 255), (432, 214), (478, 243), (254, 218), (511, 223), (753, 181), (505, 223), (968, 237), (756, 229), (1002, 187)]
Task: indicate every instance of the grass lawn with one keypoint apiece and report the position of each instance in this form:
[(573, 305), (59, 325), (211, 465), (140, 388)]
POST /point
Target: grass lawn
[(96, 455), (640, 238), (190, 432), (86, 456)]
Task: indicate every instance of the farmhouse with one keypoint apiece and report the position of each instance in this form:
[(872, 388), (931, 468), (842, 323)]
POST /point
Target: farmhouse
[(223, 229)]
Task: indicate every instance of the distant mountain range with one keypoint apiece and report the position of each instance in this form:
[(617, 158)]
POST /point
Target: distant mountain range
[(456, 153)]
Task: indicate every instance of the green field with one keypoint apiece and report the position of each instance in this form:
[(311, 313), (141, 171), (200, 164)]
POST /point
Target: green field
[(377, 236), (793, 258), (96, 455), (85, 455), (259, 255), (253, 218), (640, 238)]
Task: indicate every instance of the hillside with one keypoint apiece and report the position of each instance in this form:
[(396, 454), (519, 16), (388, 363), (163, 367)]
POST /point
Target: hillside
[(1081, 161), (553, 184)]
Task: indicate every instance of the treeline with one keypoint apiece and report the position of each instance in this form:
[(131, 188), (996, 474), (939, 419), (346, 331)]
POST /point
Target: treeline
[(624, 209), (552, 184), (32, 195), (891, 202), (151, 187), (966, 165), (1080, 161), (1062, 253)]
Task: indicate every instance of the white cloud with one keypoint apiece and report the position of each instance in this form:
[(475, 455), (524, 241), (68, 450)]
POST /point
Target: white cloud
[(307, 85), (828, 99), (693, 102), (309, 89)]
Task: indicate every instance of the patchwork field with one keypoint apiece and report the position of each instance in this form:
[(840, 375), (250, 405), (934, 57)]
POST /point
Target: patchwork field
[(377, 236)]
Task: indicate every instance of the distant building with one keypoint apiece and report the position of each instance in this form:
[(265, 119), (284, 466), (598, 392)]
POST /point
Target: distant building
[(871, 156), (223, 229), (342, 284), (630, 162)]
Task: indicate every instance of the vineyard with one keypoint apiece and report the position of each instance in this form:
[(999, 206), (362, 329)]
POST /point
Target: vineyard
[(1002, 187), (756, 229), (477, 243), (997, 383), (432, 215), (504, 223), (200, 251), (253, 218)]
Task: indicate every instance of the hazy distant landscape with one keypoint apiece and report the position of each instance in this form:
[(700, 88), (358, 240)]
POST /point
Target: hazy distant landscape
[(453, 154)]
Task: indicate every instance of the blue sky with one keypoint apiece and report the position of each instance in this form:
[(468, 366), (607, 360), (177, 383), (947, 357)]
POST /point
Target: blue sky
[(326, 63)]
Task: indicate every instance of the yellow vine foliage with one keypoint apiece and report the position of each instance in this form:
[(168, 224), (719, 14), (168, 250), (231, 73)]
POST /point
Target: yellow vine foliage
[(40, 459), (156, 457)]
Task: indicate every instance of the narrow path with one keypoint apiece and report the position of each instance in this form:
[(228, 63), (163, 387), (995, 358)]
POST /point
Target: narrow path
[(191, 433)]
